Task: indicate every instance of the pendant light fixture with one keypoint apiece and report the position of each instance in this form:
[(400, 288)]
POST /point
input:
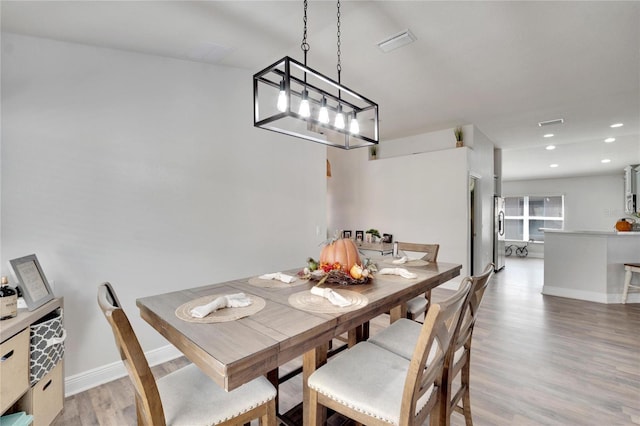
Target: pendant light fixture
[(291, 98)]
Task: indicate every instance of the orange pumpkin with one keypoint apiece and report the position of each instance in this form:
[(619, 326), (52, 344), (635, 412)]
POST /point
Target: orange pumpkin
[(623, 225), (343, 251)]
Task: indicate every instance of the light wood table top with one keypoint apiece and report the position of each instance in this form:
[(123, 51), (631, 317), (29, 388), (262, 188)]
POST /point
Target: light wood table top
[(235, 352)]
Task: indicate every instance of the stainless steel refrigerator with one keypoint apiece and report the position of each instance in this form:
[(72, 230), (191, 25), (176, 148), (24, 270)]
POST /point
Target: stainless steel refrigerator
[(498, 233)]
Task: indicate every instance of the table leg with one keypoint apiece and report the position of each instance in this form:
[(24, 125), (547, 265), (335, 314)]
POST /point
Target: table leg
[(358, 334), (272, 376), (311, 360), (397, 312)]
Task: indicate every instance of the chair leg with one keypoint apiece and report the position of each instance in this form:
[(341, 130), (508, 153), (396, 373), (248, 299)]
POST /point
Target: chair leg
[(466, 397), (140, 412), (627, 283), (435, 417), (269, 417), (311, 361), (442, 411), (314, 416)]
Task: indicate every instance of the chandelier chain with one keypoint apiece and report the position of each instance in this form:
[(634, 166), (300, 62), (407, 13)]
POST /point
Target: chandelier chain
[(304, 45), (339, 66)]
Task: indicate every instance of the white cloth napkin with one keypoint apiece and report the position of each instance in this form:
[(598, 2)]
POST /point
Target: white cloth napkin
[(278, 276), (237, 300), (403, 259), (334, 297), (397, 271)]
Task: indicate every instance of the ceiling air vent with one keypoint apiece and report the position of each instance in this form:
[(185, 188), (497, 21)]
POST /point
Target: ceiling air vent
[(551, 122), (397, 40)]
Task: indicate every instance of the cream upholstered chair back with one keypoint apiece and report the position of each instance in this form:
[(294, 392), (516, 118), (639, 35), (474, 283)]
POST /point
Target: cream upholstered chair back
[(148, 403)]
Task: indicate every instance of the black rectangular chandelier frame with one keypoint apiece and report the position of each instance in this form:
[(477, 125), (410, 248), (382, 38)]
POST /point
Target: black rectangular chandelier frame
[(298, 80)]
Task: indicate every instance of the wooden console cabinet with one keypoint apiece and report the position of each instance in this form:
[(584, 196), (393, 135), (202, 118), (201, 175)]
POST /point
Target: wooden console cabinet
[(43, 400)]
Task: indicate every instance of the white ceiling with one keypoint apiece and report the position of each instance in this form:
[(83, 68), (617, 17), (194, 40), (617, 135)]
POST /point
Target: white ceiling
[(502, 66)]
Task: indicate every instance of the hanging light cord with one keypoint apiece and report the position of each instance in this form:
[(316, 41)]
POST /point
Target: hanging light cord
[(304, 45), (339, 67)]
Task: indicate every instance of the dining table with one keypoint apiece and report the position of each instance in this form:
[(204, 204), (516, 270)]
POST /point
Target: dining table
[(289, 323)]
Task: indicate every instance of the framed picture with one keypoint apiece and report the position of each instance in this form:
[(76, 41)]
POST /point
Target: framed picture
[(346, 234), (359, 235), (32, 282), (387, 238)]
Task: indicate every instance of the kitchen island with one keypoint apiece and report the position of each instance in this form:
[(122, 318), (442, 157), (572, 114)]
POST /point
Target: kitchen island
[(588, 265)]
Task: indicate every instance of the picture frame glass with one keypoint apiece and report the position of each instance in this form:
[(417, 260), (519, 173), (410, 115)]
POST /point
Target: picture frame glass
[(32, 281)]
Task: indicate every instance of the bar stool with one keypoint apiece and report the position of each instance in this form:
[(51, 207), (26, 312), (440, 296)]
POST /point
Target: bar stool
[(630, 268)]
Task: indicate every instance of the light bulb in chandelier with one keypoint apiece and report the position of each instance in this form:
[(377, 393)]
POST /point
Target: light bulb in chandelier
[(354, 127), (282, 98), (339, 123), (304, 110), (323, 115)]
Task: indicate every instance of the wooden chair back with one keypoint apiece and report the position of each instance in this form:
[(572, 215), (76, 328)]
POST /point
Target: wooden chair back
[(462, 339), (431, 250), (148, 403), (479, 284), (433, 344)]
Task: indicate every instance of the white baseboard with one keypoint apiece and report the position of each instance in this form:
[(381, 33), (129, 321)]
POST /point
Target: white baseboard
[(590, 296), (101, 375)]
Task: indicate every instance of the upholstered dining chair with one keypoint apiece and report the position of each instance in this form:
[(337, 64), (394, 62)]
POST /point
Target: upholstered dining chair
[(419, 304), (401, 337), (375, 386), (186, 396)]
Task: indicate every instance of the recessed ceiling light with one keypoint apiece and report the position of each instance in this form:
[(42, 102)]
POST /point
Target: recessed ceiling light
[(609, 140), (617, 125), (550, 147), (605, 160), (553, 165), (548, 135)]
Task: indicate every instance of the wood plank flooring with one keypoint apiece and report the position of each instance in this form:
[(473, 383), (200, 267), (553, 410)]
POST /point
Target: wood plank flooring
[(536, 360)]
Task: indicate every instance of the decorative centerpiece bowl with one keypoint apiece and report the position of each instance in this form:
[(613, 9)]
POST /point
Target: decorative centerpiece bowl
[(339, 264)]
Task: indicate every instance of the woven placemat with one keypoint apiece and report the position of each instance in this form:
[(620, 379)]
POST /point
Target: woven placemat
[(410, 262), (221, 315), (259, 282), (306, 301)]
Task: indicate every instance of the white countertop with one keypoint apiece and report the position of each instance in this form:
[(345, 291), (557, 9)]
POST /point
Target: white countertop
[(565, 231)]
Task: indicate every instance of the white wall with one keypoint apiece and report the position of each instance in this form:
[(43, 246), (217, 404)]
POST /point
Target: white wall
[(146, 172), (592, 203), (424, 142), (418, 198)]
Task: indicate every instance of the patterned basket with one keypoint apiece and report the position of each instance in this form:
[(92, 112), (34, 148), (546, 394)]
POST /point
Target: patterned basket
[(340, 277), (47, 345)]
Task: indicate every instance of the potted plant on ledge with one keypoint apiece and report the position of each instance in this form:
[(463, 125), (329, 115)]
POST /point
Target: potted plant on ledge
[(459, 135), (372, 234), (373, 152)]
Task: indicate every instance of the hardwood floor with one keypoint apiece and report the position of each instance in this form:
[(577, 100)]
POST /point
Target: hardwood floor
[(536, 360)]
